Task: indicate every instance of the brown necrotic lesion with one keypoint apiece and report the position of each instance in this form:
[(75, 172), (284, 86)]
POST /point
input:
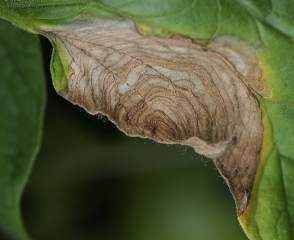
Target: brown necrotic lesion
[(171, 90)]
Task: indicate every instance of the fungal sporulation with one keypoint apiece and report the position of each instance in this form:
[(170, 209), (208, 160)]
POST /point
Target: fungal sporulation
[(171, 90)]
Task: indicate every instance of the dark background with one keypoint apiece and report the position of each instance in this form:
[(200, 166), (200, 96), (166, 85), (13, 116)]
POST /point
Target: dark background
[(91, 182)]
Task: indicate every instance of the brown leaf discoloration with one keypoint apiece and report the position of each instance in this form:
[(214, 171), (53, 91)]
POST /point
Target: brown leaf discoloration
[(171, 90)]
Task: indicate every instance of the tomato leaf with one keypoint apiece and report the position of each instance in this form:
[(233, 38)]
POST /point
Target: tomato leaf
[(266, 24), (22, 101)]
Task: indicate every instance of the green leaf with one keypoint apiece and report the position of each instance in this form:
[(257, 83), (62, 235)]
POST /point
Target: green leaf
[(22, 101), (271, 211), (29, 14), (270, 214)]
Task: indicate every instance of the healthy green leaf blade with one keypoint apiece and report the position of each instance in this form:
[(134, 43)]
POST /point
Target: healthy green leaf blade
[(22, 101), (29, 14)]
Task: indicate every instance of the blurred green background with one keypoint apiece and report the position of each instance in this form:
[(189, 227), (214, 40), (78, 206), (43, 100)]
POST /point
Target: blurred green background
[(90, 181)]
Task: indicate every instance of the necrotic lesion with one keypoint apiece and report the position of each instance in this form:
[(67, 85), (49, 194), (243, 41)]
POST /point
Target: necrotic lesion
[(168, 89)]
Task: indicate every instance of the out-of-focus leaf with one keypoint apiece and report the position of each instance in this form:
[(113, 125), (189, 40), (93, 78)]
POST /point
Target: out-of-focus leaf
[(22, 100)]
